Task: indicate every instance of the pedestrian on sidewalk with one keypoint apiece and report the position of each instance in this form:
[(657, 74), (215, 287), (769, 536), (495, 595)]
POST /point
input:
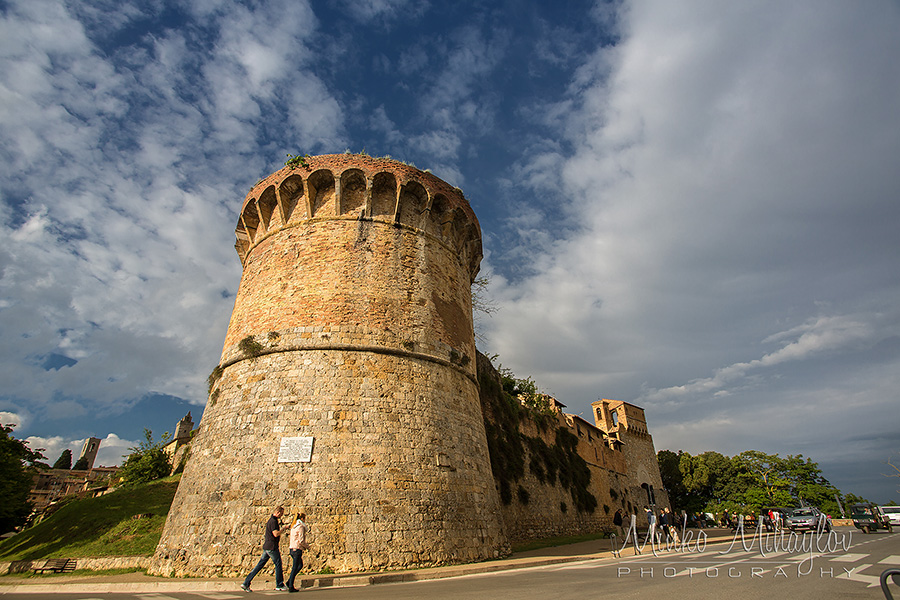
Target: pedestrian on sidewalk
[(672, 520), (297, 546), (617, 521), (270, 550), (651, 524), (663, 522)]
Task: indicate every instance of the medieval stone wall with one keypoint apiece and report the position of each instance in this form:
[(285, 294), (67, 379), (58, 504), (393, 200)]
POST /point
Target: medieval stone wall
[(549, 510), (619, 460), (353, 326)]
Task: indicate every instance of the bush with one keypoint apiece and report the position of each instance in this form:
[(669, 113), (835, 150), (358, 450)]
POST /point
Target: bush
[(147, 462)]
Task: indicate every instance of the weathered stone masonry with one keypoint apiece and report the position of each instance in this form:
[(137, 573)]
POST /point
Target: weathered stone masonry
[(617, 450), (352, 325)]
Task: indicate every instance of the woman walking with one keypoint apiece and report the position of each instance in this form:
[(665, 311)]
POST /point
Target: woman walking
[(297, 546)]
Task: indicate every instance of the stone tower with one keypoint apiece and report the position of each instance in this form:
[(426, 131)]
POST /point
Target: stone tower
[(89, 451), (183, 428), (347, 384), (626, 426)]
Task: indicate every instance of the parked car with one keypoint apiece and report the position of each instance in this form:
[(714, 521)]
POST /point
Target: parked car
[(892, 513), (808, 518), (868, 517), (782, 511)]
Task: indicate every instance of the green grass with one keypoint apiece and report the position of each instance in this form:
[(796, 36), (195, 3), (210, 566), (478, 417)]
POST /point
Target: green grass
[(75, 573), (101, 526), (556, 541)]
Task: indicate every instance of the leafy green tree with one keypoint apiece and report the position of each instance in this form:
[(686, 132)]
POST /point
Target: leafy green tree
[(751, 480), (672, 478), (64, 461), (147, 462), (769, 474), (17, 468), (808, 485), (81, 464), (851, 499), (705, 477)]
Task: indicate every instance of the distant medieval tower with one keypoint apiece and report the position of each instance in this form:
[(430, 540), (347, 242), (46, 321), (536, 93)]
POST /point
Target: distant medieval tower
[(346, 387), (89, 452)]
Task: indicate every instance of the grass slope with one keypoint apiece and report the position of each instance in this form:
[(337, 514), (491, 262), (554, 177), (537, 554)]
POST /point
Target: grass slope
[(99, 526)]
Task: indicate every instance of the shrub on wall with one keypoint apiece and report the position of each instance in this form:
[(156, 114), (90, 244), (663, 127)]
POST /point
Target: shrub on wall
[(554, 464)]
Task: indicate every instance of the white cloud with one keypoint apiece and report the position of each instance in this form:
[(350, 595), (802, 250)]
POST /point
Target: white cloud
[(728, 180), (817, 336), (379, 10), (113, 450), (110, 454), (122, 176), (9, 418)]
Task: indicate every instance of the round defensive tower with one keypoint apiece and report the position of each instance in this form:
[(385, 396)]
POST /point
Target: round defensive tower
[(347, 386)]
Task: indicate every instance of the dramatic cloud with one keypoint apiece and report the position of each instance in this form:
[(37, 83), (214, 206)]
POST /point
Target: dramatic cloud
[(687, 206), (730, 190), (121, 187)]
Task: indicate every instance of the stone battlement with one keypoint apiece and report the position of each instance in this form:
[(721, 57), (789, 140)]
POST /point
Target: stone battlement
[(364, 188)]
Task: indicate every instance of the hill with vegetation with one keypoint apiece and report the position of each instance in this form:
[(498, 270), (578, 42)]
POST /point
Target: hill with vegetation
[(102, 526)]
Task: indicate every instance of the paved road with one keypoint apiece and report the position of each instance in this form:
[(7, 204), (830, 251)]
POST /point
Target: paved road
[(714, 572)]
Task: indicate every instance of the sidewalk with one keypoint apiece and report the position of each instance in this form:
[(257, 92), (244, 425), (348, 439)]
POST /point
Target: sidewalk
[(141, 583)]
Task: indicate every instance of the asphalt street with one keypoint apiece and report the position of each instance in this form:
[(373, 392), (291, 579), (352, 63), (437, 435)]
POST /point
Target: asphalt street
[(845, 565)]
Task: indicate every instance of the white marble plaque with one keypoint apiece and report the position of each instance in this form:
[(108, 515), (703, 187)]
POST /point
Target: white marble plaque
[(295, 449)]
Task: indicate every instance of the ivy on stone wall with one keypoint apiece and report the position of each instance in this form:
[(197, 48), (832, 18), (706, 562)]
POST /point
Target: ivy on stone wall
[(213, 378), (554, 464), (250, 347)]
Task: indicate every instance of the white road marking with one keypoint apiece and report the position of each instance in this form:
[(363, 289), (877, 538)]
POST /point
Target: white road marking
[(848, 557)]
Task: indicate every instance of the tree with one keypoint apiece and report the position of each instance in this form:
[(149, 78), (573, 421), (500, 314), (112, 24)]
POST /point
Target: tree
[(851, 499), (17, 467), (769, 472), (81, 464), (672, 479), (705, 478), (896, 468), (750, 481), (148, 461), (481, 303), (808, 484), (64, 461)]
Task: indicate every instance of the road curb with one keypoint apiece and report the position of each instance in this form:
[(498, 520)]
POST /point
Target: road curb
[(309, 581)]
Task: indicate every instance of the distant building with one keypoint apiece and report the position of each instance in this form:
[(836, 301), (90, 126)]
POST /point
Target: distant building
[(179, 447), (50, 486), (89, 451)]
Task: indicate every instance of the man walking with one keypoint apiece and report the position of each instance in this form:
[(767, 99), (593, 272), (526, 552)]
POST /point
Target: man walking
[(270, 550)]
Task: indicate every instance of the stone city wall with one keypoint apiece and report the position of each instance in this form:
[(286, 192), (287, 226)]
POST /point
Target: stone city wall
[(539, 506)]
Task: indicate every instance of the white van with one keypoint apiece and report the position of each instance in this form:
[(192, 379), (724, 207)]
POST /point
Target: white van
[(892, 513)]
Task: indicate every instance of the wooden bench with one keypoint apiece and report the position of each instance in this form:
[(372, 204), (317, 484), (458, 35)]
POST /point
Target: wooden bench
[(57, 565)]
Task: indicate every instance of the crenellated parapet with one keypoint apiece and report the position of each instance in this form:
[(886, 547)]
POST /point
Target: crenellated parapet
[(362, 188)]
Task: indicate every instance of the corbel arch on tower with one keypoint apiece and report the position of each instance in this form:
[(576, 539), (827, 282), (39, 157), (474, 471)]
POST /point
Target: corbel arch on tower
[(266, 206), (384, 196), (437, 214), (250, 217), (290, 194), (413, 204), (353, 192), (321, 186)]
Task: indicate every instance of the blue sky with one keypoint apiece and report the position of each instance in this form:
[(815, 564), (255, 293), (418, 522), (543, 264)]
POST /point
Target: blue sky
[(691, 206)]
